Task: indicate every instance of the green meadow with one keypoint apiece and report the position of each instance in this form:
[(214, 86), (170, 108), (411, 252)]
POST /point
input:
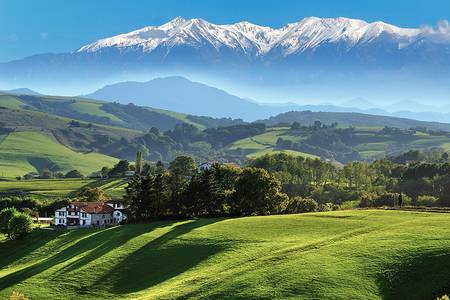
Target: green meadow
[(368, 254), (65, 187), (367, 141), (27, 151)]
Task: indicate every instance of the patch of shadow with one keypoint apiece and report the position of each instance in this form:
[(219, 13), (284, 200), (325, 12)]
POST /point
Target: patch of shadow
[(330, 216), (423, 276), (160, 260), (41, 163), (85, 244), (12, 251)]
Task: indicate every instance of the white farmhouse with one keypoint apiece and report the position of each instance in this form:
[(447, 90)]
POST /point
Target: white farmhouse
[(90, 214)]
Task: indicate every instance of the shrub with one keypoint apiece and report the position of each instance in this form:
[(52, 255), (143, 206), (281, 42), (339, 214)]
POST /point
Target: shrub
[(19, 226), (74, 174), (301, 205), (350, 204), (386, 199), (5, 216), (92, 194), (426, 200), (367, 199), (328, 207)]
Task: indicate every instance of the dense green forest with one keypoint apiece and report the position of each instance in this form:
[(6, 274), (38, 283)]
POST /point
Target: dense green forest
[(281, 183)]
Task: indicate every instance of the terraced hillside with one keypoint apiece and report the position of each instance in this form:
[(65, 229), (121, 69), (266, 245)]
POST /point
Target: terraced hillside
[(334, 255)]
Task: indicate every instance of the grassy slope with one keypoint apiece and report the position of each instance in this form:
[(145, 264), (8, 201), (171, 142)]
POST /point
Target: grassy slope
[(336, 255), (92, 108), (368, 142), (10, 101), (265, 143), (18, 148), (180, 116), (114, 188)]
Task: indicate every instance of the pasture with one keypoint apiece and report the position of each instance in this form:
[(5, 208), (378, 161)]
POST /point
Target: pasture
[(369, 254)]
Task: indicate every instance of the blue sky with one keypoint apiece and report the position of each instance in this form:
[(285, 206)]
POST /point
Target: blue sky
[(40, 26)]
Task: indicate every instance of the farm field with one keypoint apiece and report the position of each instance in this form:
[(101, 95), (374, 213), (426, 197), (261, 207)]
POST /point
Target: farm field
[(265, 143), (113, 188), (27, 151), (368, 254), (367, 141)]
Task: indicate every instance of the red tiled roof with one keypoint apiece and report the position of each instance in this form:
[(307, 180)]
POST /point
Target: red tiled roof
[(95, 207)]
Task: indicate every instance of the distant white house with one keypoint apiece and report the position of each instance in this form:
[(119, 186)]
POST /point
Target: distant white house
[(129, 173), (208, 165), (90, 214)]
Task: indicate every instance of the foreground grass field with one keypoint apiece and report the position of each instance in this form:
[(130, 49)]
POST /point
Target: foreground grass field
[(335, 255)]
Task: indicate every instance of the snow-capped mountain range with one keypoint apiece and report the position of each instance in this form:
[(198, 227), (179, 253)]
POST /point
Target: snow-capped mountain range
[(251, 39), (314, 59)]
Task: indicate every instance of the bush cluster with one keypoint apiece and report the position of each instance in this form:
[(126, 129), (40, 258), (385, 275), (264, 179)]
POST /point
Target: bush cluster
[(15, 224)]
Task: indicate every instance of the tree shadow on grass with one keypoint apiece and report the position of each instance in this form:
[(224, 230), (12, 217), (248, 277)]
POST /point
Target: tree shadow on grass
[(424, 276), (101, 241), (160, 260), (12, 251)]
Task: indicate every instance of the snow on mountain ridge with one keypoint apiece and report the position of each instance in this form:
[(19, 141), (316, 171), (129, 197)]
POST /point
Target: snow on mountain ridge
[(249, 38)]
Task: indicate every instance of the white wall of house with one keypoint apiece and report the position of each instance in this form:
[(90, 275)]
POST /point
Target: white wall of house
[(85, 218), (102, 219), (61, 216)]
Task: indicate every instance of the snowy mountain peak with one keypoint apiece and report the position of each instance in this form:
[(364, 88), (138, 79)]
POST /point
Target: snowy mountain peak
[(251, 39)]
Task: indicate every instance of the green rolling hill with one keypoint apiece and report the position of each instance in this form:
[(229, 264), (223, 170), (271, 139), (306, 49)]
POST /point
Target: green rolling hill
[(117, 130), (27, 151), (336, 255), (369, 142)]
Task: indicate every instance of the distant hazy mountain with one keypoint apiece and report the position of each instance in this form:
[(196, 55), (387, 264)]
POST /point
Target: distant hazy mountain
[(350, 57), (408, 105), (359, 103), (351, 119), (182, 95), (185, 96), (22, 91)]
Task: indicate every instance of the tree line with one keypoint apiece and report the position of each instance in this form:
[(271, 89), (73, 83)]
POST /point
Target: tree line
[(282, 183), (184, 190)]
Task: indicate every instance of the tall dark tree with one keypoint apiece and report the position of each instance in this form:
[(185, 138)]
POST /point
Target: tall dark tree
[(257, 192), (180, 171)]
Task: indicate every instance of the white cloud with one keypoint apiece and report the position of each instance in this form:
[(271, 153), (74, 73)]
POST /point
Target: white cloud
[(439, 33)]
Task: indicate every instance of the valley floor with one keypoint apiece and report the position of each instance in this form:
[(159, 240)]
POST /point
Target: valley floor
[(368, 254)]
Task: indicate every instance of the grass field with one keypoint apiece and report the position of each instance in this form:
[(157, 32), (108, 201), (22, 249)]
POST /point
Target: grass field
[(114, 188), (177, 115), (368, 142), (265, 143), (10, 101), (23, 152), (335, 255), (92, 108)]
